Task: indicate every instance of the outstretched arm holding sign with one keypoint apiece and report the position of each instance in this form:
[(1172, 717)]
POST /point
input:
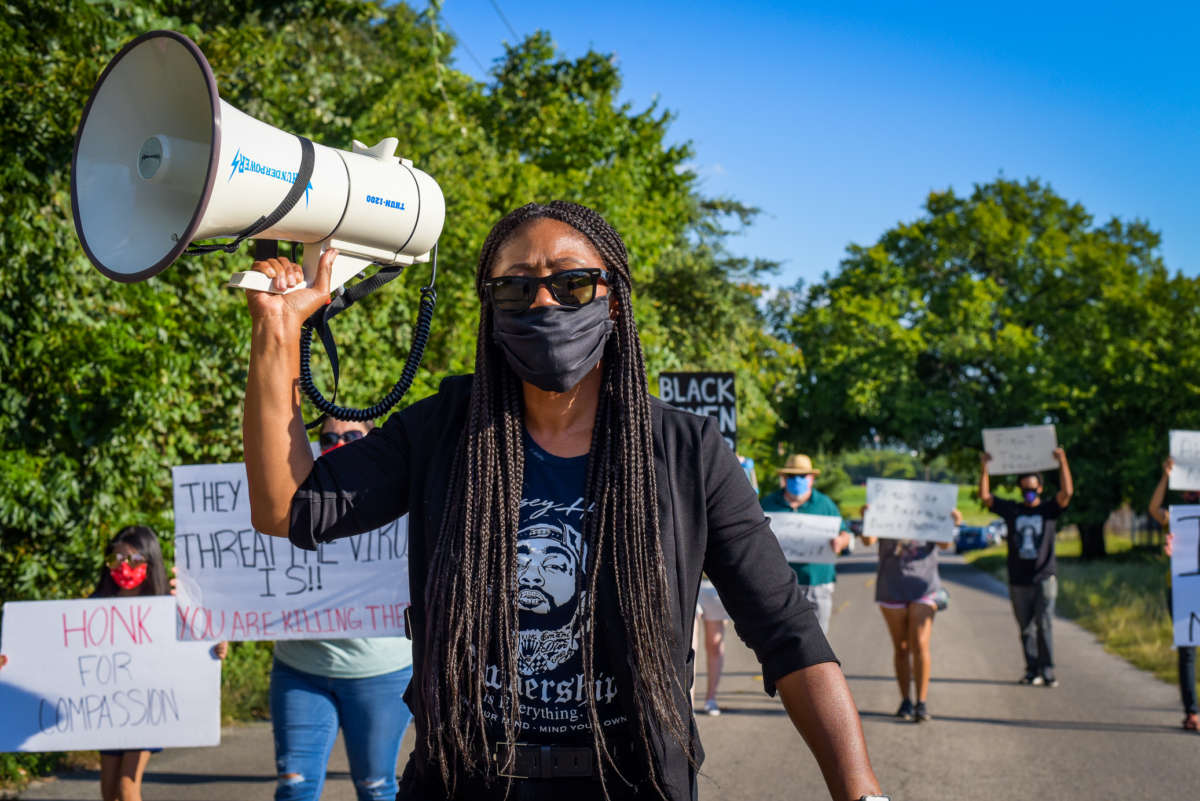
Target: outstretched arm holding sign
[(1160, 494), (1066, 486), (985, 485)]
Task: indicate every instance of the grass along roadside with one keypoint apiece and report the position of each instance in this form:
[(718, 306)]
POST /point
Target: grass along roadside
[(1121, 599)]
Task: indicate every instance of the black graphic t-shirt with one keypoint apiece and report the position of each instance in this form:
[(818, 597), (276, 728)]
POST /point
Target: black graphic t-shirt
[(552, 560), (1031, 531)]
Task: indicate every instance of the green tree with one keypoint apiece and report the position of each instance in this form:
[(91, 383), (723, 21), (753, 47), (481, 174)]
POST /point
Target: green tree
[(108, 385), (1005, 307)]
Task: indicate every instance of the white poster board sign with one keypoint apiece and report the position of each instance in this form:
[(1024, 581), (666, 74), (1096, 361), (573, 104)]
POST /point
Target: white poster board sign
[(238, 584), (1026, 449), (1185, 451), (1185, 574), (806, 538), (104, 673), (910, 510)]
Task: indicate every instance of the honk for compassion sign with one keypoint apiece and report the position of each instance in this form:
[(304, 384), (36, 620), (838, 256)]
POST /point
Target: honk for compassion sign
[(104, 673), (236, 583)]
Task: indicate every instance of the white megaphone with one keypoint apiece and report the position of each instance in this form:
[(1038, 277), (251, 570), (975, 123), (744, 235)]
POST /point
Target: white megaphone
[(161, 160)]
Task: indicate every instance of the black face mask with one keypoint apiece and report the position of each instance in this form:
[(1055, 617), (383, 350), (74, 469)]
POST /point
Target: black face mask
[(553, 347)]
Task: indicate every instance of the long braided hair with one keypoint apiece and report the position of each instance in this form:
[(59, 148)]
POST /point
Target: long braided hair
[(471, 593)]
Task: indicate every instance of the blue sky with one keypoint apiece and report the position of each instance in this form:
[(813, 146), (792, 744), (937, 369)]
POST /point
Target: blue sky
[(837, 119)]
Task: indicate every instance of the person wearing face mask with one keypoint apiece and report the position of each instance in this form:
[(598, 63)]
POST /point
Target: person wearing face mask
[(1032, 579), (797, 493), (559, 522), (353, 684), (133, 566), (1186, 654)]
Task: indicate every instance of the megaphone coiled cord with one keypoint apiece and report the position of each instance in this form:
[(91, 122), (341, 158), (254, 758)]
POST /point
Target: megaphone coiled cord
[(420, 339)]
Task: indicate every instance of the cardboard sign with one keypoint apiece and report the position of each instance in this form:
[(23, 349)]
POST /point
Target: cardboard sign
[(1185, 450), (1027, 449), (910, 510), (104, 673), (711, 394), (1185, 573), (238, 584), (806, 538)]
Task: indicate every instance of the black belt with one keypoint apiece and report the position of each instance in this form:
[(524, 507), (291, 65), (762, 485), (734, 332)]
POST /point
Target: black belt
[(545, 761)]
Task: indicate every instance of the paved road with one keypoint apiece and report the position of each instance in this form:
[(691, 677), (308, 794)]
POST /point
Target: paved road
[(1107, 732)]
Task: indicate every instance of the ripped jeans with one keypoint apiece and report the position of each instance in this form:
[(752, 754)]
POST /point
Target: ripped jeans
[(306, 711)]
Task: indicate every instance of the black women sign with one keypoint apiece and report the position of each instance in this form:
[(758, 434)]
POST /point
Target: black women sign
[(710, 394)]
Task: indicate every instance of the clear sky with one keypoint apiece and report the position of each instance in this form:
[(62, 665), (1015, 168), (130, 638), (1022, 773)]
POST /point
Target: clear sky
[(837, 118)]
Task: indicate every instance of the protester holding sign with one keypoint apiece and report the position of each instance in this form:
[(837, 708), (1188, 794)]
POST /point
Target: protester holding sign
[(559, 522), (1032, 579), (797, 493), (357, 684), (906, 588), (133, 566), (1185, 654)]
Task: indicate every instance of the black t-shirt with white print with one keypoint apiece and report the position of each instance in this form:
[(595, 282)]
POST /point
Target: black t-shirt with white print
[(1031, 533), (552, 560)]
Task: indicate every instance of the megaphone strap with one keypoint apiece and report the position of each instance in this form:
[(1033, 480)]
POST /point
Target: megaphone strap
[(319, 321), (303, 174)]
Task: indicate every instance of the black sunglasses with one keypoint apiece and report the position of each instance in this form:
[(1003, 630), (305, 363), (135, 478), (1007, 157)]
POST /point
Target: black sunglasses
[(572, 288), (330, 438)]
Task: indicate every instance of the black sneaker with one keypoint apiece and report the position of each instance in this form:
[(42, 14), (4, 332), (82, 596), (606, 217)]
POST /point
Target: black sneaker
[(905, 712), (1049, 679), (921, 713), (1031, 679)]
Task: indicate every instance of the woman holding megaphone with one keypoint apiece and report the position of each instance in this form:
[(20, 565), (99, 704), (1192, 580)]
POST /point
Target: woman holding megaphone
[(559, 522)]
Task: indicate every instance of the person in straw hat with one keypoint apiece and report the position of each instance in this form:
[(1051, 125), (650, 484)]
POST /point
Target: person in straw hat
[(798, 494)]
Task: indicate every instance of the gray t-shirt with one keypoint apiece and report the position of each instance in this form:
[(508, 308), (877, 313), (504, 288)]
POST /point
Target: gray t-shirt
[(907, 570)]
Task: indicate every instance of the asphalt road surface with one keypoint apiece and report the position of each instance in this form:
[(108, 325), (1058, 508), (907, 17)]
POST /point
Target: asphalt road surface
[(1108, 731)]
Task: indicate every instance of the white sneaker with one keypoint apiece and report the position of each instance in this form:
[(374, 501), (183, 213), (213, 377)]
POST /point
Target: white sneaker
[(711, 708)]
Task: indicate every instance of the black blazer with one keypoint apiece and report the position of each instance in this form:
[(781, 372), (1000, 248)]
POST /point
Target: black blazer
[(709, 517)]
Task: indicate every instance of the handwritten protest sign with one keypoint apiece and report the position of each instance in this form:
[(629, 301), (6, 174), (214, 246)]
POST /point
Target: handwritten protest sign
[(1027, 449), (711, 394), (1185, 450), (104, 673), (238, 584), (1185, 574), (910, 510), (806, 538)]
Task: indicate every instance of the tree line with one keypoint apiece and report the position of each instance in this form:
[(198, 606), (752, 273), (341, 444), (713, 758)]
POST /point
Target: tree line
[(1007, 306)]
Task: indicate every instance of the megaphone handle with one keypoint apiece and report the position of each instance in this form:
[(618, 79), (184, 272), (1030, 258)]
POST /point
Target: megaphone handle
[(345, 267)]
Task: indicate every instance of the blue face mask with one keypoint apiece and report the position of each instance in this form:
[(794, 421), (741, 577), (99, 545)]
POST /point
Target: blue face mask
[(1031, 495), (798, 485)]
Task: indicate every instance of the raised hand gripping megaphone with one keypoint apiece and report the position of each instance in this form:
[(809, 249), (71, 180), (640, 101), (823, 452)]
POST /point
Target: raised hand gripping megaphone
[(162, 161)]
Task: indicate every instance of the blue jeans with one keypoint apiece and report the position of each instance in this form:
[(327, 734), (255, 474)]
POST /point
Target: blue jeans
[(306, 711)]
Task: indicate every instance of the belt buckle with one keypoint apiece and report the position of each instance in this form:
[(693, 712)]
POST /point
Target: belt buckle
[(537, 761), (515, 751)]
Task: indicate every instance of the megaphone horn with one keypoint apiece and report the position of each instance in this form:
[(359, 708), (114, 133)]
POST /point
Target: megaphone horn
[(162, 161)]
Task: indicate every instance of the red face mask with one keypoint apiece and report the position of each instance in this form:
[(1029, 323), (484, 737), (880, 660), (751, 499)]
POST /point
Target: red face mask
[(127, 576)]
